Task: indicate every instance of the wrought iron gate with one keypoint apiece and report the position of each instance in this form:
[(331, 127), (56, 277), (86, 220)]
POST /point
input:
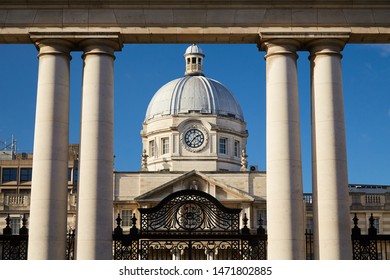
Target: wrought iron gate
[(14, 247), (371, 246), (189, 224)]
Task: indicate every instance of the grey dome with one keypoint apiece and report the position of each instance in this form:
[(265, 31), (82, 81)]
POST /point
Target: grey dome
[(194, 94), (194, 49)]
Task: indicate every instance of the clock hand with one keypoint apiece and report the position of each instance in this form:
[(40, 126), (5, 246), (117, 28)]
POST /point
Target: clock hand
[(195, 137)]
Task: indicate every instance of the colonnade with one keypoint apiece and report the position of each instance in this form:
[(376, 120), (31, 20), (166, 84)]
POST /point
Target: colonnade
[(284, 169), (49, 184), (286, 239)]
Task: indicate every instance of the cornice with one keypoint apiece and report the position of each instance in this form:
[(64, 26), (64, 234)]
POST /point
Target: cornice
[(187, 21), (190, 4)]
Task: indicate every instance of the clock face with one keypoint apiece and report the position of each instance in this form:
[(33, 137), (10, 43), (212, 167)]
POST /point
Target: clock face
[(194, 138)]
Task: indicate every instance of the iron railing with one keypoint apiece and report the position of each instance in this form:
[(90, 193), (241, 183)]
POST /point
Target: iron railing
[(371, 246), (245, 244)]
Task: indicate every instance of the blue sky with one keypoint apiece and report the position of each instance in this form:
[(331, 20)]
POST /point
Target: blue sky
[(140, 70)]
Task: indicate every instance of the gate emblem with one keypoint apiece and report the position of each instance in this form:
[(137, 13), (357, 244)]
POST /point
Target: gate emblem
[(190, 216)]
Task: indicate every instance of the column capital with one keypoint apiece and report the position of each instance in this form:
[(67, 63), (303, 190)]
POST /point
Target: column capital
[(79, 40), (325, 46), (280, 46), (54, 46), (100, 46)]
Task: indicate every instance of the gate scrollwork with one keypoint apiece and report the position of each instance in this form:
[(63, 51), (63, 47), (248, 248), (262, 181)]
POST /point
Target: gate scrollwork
[(189, 224), (189, 210)]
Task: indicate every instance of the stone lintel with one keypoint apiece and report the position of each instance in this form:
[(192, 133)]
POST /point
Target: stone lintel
[(76, 38), (303, 38), (160, 35), (209, 21), (194, 4)]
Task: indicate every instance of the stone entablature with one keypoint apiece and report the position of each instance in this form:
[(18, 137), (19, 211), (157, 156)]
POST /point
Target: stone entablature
[(159, 22)]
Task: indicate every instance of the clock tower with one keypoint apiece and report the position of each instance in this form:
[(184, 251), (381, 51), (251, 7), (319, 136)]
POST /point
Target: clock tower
[(194, 123)]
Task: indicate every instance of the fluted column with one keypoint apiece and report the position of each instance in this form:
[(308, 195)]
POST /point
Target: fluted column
[(47, 234), (284, 169), (330, 178), (95, 198)]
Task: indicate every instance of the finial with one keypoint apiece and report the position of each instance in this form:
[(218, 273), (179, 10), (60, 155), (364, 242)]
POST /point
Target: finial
[(118, 230), (134, 229), (245, 229), (244, 162), (7, 230), (23, 230), (144, 161), (260, 229), (372, 230), (356, 232)]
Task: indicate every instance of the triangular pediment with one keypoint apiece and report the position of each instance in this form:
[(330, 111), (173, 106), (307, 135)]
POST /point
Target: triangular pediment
[(198, 181)]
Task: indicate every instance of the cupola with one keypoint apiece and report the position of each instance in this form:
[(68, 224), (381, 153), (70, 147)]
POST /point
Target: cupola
[(194, 61)]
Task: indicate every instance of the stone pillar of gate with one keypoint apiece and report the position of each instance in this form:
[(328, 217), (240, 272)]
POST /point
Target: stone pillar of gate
[(285, 219), (332, 224), (95, 196), (47, 233)]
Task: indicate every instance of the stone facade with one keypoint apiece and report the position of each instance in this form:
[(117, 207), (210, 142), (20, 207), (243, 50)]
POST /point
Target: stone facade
[(132, 190)]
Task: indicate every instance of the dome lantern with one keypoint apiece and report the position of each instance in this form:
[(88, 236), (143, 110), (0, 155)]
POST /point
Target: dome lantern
[(194, 61)]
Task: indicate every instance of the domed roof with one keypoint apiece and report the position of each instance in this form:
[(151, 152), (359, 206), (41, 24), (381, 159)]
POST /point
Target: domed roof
[(194, 93)]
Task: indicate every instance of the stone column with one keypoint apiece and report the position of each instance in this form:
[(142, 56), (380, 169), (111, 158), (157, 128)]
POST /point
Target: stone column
[(95, 197), (332, 225), (47, 233), (285, 215)]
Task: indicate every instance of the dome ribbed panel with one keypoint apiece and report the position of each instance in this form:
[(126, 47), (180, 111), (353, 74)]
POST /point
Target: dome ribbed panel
[(209, 97), (194, 94), (227, 102), (177, 96)]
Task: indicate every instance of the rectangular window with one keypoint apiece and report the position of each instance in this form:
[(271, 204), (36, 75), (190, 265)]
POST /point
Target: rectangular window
[(126, 218), (9, 174), (25, 174), (151, 148), (15, 225), (165, 145), (69, 174), (223, 145), (376, 224), (75, 175), (236, 148)]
